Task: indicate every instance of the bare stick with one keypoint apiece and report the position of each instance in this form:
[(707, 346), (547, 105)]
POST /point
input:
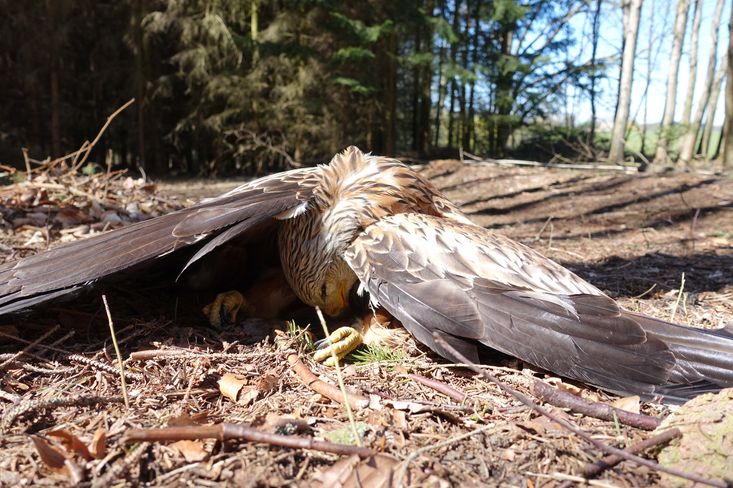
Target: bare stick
[(570, 426), (331, 392), (99, 134), (120, 363), (563, 399), (340, 379), (227, 432), (594, 469), (440, 387)]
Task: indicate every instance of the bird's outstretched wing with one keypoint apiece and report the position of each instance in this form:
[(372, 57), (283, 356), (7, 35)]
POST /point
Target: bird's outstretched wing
[(61, 270), (478, 287)]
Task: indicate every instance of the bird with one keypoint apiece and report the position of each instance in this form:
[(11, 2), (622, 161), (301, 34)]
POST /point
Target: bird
[(371, 227)]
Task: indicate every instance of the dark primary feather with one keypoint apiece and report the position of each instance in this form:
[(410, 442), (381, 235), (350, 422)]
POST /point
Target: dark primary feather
[(64, 269), (415, 266)]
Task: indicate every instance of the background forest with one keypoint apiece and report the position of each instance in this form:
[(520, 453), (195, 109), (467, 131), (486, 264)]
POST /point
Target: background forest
[(251, 86)]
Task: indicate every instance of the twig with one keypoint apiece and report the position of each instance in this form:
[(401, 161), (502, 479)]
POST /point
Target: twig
[(440, 387), (152, 354), (99, 134), (27, 348), (120, 363), (339, 377), (679, 297), (226, 432), (570, 426), (329, 391), (594, 469), (598, 410)]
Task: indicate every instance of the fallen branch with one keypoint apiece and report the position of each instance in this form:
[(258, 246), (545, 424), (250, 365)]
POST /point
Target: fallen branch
[(572, 427), (440, 387), (591, 470), (228, 432), (598, 410), (517, 162), (355, 400), (27, 406)]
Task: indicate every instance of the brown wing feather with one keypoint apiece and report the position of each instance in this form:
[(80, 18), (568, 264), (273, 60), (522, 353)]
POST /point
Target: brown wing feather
[(52, 273), (481, 288)]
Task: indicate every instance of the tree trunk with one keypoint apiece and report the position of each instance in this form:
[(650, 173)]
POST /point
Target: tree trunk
[(709, 125), (140, 84), (453, 58), (54, 81), (426, 81), (678, 35), (632, 12), (727, 136), (594, 75), (690, 137), (687, 108)]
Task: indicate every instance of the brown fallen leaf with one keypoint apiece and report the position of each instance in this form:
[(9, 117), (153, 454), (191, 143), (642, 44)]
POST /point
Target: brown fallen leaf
[(266, 383), (58, 460), (192, 451), (351, 472), (630, 404), (230, 385), (184, 418), (98, 446), (72, 443)]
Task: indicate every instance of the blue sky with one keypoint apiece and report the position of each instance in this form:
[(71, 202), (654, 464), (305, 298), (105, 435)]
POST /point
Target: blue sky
[(659, 15)]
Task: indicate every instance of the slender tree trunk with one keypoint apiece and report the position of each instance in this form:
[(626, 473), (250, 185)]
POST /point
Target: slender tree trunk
[(391, 137), (416, 71), (678, 35), (454, 62), (649, 65), (687, 107), (442, 85), (140, 79), (690, 137), (709, 125), (594, 74), (471, 136), (426, 81), (727, 136), (632, 12), (54, 74)]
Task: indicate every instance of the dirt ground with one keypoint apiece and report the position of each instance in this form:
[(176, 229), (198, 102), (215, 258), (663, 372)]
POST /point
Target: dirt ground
[(637, 237)]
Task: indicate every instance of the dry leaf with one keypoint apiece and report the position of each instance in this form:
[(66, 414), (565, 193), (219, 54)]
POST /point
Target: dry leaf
[(248, 394), (71, 443), (266, 383), (184, 418), (351, 472), (192, 451), (230, 385), (630, 404), (285, 425), (98, 447), (58, 461), (51, 456)]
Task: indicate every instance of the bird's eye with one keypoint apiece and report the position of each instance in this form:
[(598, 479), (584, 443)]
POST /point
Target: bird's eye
[(323, 291)]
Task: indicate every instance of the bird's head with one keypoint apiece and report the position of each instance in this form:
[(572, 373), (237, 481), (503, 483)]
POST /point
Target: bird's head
[(332, 292)]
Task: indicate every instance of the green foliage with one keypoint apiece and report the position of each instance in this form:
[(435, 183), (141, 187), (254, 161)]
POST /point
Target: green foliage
[(236, 86), (376, 354)]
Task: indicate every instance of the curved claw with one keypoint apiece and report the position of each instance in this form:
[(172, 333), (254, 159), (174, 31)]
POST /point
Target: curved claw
[(340, 342), (222, 312)]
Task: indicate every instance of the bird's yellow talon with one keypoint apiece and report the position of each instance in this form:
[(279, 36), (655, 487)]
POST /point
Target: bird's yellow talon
[(340, 342), (224, 309)]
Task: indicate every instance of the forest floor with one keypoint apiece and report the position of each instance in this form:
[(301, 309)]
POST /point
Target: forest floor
[(637, 237)]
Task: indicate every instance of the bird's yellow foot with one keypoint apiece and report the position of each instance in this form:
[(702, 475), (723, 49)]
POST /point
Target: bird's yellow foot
[(223, 311), (341, 342)]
